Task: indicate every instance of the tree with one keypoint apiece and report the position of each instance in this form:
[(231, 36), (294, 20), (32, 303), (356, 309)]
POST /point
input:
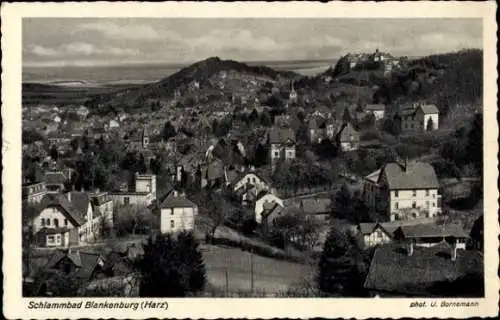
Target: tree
[(475, 143), (141, 165), (133, 219), (430, 124), (346, 117), (266, 119), (339, 272), (218, 209), (168, 131), (172, 267), (53, 153)]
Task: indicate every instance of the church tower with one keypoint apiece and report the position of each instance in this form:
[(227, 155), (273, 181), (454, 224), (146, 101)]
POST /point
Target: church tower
[(293, 94), (145, 138)]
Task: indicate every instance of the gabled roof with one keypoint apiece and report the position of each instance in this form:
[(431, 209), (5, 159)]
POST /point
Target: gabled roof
[(80, 201), (429, 109), (281, 135), (374, 176), (85, 262), (60, 200), (417, 175), (370, 227), (176, 200), (348, 132)]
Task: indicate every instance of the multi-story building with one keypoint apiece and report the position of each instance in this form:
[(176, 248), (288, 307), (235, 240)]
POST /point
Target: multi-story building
[(66, 220), (34, 192), (177, 213), (281, 144), (403, 191), (321, 128), (144, 192)]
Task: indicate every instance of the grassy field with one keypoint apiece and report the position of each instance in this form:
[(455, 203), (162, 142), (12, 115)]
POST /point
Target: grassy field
[(270, 275)]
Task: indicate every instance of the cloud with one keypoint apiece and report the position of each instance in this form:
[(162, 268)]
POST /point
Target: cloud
[(117, 31), (75, 49), (41, 51)]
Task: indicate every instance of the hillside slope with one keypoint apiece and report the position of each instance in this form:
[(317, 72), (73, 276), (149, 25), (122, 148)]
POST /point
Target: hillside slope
[(199, 73)]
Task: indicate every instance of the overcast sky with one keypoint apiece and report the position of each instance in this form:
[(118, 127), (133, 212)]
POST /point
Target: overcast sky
[(83, 41)]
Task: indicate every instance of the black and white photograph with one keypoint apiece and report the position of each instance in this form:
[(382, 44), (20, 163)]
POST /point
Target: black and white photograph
[(252, 157)]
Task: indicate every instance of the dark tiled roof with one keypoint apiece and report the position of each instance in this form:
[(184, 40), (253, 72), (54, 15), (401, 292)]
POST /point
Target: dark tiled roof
[(176, 201), (432, 230), (80, 200), (418, 175), (375, 107), (69, 209), (55, 178), (349, 132), (281, 135), (392, 270)]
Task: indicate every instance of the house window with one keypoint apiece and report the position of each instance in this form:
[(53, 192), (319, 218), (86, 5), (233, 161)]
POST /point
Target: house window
[(396, 205), (396, 193), (172, 224), (413, 204), (126, 200), (50, 239), (253, 179), (427, 203), (276, 154), (172, 212), (42, 222), (427, 192), (47, 222), (414, 193), (58, 237), (65, 222), (434, 204), (56, 223)]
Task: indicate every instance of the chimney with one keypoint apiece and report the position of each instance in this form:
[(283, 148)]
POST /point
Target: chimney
[(410, 248)]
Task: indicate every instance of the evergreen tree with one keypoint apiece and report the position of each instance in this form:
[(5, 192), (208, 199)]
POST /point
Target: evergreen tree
[(347, 115), (172, 267), (53, 153), (168, 131), (338, 270), (430, 125)]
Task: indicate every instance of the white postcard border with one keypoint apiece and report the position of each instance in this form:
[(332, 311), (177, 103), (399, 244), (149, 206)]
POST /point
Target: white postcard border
[(17, 307)]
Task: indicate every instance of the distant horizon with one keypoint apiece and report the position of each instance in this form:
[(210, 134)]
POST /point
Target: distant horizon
[(115, 41)]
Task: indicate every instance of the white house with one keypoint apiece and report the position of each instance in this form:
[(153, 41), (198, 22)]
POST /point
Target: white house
[(282, 144), (373, 234), (378, 110), (113, 124), (262, 201), (403, 191), (420, 118), (177, 213), (251, 179), (66, 220)]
